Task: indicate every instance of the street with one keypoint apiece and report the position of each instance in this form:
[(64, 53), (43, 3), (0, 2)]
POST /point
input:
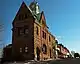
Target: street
[(66, 61), (62, 61)]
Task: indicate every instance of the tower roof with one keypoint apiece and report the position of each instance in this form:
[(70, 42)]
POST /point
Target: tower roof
[(34, 7)]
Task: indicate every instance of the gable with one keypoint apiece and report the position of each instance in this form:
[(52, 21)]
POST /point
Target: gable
[(43, 17), (23, 13), (43, 20)]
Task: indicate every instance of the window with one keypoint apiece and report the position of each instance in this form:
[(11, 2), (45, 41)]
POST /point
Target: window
[(43, 34), (22, 16), (44, 49), (26, 31), (26, 49), (49, 39), (43, 22), (20, 49), (37, 30), (21, 31)]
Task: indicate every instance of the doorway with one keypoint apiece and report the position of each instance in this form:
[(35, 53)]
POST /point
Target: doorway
[(38, 53), (50, 53)]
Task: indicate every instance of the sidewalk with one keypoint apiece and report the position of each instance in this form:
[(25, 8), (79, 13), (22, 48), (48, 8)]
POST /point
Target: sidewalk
[(33, 62)]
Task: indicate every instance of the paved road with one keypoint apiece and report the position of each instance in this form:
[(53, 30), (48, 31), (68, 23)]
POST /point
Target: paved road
[(63, 61), (66, 61)]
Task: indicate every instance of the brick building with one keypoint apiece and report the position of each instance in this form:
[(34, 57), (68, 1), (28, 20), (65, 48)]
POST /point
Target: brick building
[(7, 53), (63, 52), (30, 36)]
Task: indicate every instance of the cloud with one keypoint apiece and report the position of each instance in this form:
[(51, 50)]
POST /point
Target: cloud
[(59, 37)]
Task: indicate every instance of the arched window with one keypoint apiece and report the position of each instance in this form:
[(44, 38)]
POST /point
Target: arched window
[(44, 49)]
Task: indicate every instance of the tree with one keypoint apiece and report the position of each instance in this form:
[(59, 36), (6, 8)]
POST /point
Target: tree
[(72, 53)]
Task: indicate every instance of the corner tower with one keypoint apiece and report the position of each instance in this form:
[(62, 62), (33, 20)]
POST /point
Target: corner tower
[(22, 34)]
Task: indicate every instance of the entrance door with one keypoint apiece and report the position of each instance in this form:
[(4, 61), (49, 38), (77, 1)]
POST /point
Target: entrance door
[(38, 53), (50, 53)]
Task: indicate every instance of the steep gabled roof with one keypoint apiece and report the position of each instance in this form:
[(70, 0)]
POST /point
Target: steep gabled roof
[(43, 19), (38, 17), (23, 5), (35, 16)]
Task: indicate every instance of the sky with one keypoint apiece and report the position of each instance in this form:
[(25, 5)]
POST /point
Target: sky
[(62, 18)]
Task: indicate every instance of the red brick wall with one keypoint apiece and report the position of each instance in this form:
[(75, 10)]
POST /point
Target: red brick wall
[(21, 41)]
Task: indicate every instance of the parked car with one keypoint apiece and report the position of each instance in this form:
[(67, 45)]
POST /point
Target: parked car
[(76, 55)]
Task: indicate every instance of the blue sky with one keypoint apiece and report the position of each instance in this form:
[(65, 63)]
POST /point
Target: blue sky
[(62, 17)]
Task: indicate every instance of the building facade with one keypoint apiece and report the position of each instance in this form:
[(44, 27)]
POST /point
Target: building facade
[(7, 53), (63, 52), (31, 38)]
